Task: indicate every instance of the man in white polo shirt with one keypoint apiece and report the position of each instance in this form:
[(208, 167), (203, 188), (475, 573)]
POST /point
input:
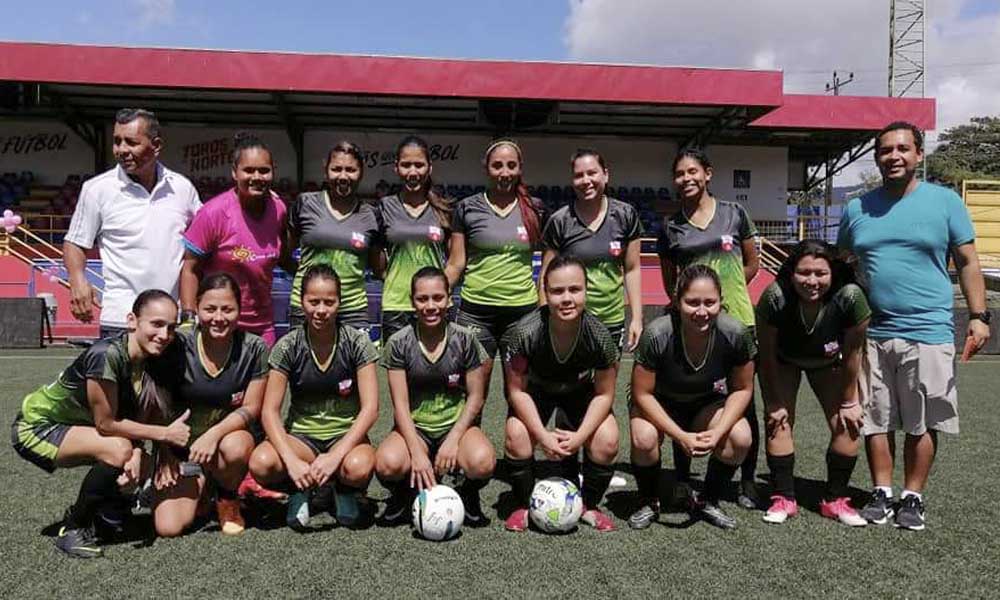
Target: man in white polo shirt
[(138, 212)]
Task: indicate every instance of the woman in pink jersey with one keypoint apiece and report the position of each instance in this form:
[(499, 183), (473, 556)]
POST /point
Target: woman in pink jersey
[(240, 232)]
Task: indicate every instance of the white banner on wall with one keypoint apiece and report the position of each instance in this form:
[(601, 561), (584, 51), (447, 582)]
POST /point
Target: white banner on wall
[(48, 149), (203, 152)]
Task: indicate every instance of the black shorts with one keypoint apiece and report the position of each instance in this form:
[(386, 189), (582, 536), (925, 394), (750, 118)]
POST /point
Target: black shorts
[(685, 414), (566, 411), (433, 443), (317, 445), (37, 443), (618, 335), (393, 321), (490, 323)]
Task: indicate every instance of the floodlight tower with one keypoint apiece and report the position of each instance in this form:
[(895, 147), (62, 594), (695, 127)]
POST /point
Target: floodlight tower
[(906, 48)]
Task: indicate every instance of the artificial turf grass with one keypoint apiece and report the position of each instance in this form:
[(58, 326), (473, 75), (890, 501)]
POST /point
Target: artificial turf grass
[(808, 556)]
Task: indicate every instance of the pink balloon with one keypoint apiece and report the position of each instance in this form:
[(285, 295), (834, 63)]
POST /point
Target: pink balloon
[(53, 279), (10, 228), (8, 213), (16, 219)]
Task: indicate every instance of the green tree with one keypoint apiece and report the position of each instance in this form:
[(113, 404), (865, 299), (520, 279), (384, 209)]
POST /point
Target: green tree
[(970, 151)]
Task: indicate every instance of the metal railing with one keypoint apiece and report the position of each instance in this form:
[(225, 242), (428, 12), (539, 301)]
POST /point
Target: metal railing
[(24, 245), (796, 229)]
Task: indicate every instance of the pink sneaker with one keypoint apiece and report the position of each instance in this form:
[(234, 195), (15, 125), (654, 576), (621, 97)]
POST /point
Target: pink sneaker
[(781, 508), (249, 487), (598, 520), (840, 509), (518, 520)]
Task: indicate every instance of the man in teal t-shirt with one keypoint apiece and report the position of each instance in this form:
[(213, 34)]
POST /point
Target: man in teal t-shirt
[(903, 233)]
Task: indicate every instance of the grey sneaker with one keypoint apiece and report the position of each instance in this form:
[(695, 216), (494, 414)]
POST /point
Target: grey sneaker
[(910, 514), (647, 514), (748, 498), (879, 509), (714, 515), (78, 543)]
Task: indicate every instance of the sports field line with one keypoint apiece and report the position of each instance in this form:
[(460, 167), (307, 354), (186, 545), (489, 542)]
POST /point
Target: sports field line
[(40, 356)]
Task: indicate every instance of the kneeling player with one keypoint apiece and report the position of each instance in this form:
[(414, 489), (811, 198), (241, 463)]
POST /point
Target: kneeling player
[(329, 368), (560, 359), (691, 382), (87, 417), (813, 320), (224, 374), (436, 381)]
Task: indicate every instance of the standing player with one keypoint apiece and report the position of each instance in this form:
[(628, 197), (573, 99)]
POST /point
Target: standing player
[(436, 382), (329, 368), (224, 374), (90, 416), (560, 359), (604, 233), (813, 320), (240, 232), (721, 235), (413, 226), (335, 228), (493, 237), (692, 381), (138, 212), (904, 232)]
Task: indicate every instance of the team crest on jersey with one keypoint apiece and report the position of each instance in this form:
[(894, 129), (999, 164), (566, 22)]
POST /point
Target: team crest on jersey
[(435, 233), (720, 387), (243, 254), (236, 399), (344, 387), (517, 362), (727, 243), (522, 233), (358, 240), (454, 380), (831, 349), (615, 248)]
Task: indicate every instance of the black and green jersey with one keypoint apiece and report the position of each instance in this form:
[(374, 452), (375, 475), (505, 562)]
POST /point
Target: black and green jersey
[(818, 345), (340, 243), (65, 400), (498, 254), (410, 243), (603, 251), (212, 397), (436, 388), (718, 245), (661, 350), (324, 398), (528, 349)]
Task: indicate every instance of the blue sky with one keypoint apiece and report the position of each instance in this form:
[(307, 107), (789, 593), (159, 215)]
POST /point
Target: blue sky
[(439, 28)]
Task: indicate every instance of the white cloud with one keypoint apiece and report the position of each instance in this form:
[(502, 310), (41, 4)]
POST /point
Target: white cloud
[(155, 12), (807, 40)]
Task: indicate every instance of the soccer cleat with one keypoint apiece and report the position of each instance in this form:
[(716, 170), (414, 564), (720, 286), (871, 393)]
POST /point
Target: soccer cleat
[(249, 487), (109, 522), (781, 509), (398, 509), (598, 520), (911, 514), (518, 520), (474, 516), (712, 513), (748, 497), (840, 509), (297, 515), (879, 509), (230, 520), (645, 516), (78, 543), (617, 482)]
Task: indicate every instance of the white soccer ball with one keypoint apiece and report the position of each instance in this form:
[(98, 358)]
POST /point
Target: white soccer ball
[(556, 505), (438, 513)]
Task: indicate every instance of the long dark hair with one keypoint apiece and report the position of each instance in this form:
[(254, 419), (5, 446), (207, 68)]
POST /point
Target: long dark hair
[(428, 272), (561, 261), (529, 212), (245, 140), (320, 271), (693, 152), (219, 281), (351, 149), (440, 204), (692, 273), (842, 269)]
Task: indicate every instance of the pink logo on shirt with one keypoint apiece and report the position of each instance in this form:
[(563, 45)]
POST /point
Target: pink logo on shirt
[(358, 240), (522, 233), (831, 348), (454, 379), (435, 233), (242, 254), (720, 387), (236, 399), (727, 243), (615, 248), (344, 387)]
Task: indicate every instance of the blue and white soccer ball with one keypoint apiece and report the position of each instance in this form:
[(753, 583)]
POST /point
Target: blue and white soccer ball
[(438, 513), (556, 505)]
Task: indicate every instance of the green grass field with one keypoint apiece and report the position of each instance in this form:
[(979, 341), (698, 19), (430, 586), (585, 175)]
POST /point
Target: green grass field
[(958, 554)]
